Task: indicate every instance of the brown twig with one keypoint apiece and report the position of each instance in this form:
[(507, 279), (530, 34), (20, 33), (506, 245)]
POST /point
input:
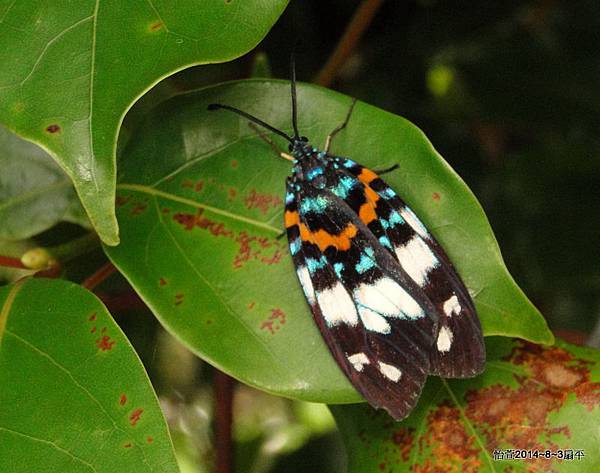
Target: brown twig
[(223, 390), (99, 276), (354, 31), (10, 262)]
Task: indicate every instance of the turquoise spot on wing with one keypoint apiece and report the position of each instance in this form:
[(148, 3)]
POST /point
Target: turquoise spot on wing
[(314, 172), (295, 246), (315, 264), (289, 197), (385, 241), (395, 218), (366, 261), (344, 186), (388, 193), (314, 204), (338, 267), (349, 163)]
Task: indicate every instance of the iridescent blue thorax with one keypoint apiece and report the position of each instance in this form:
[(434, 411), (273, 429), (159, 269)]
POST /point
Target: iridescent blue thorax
[(311, 165)]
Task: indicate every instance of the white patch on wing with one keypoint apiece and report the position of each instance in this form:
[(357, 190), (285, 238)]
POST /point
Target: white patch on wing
[(336, 306), (358, 360), (451, 306), (409, 216), (444, 340), (384, 298), (417, 259), (304, 277), (390, 371)]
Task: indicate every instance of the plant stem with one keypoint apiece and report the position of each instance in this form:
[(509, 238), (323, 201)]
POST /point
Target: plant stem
[(99, 276), (223, 391), (354, 31), (10, 262)]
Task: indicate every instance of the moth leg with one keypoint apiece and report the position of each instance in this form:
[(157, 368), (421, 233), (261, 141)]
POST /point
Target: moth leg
[(340, 127), (386, 170), (280, 236), (276, 148)]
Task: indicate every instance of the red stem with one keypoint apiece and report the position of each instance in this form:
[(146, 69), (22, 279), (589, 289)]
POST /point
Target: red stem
[(99, 276), (223, 390), (11, 262)]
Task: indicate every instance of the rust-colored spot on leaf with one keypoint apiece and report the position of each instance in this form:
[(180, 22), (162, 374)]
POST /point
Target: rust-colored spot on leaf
[(156, 26), (139, 207), (123, 399), (275, 321), (199, 185), (179, 298), (231, 193), (54, 128), (234, 163), (93, 330), (187, 184), (135, 416), (165, 210), (162, 282), (149, 439), (121, 200), (105, 343), (251, 305), (92, 317), (404, 438), (435, 196), (262, 202), (128, 445)]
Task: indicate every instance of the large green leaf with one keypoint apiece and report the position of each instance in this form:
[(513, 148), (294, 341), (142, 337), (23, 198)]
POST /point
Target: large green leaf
[(73, 393), (70, 71), (200, 207), (35, 193), (530, 398)]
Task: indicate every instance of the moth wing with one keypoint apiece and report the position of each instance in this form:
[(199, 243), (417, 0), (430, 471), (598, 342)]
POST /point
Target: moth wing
[(459, 350), (377, 332)]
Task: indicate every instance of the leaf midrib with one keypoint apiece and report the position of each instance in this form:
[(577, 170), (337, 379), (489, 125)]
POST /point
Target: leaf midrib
[(192, 203)]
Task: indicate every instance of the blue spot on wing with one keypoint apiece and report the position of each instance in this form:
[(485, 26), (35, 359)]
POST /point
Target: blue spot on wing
[(289, 197), (315, 264), (395, 218), (385, 241), (338, 267), (366, 261), (344, 186), (295, 246), (314, 204), (314, 172)]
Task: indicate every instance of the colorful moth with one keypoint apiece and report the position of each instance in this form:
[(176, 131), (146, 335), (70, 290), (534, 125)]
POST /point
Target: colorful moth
[(383, 292)]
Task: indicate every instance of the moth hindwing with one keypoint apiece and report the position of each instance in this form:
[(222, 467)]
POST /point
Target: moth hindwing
[(384, 294)]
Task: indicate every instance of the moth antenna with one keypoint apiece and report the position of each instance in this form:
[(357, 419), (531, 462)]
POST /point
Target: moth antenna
[(294, 101), (252, 118)]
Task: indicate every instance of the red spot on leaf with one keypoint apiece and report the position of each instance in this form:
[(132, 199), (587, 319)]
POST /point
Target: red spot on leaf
[(404, 438), (262, 202), (382, 466), (139, 207), (179, 298), (199, 185), (162, 282), (187, 183), (128, 445), (123, 399), (105, 343), (275, 321), (121, 200), (435, 196), (93, 330), (251, 305), (54, 128), (149, 439), (231, 193), (166, 210), (135, 416), (156, 26), (234, 163), (92, 317)]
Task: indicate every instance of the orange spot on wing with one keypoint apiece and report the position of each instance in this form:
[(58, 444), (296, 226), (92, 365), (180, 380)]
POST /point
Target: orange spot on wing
[(367, 210), (291, 218), (366, 176), (324, 239)]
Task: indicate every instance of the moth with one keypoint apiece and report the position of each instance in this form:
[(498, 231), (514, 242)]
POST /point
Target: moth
[(385, 296)]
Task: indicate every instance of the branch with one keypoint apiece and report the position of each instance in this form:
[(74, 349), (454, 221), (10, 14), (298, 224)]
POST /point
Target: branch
[(354, 31)]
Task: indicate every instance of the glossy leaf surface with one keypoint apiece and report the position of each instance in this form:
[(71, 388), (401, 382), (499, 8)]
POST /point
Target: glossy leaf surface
[(200, 204), (530, 399), (74, 395), (70, 71)]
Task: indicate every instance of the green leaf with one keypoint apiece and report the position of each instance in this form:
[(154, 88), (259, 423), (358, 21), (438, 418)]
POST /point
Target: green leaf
[(200, 206), (74, 394), (70, 71), (35, 193), (530, 397)]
